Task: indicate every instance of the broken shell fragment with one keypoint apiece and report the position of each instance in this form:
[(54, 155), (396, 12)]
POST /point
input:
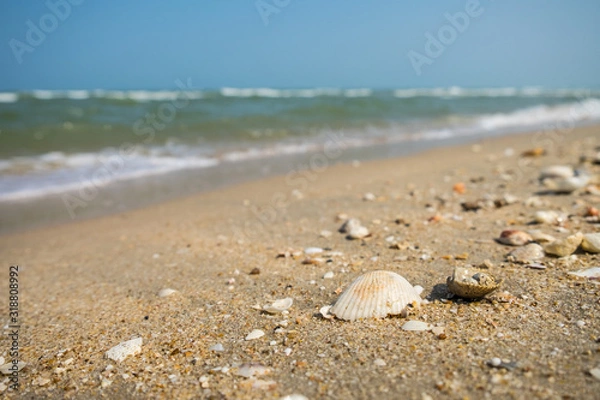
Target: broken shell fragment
[(375, 294), (541, 237), (416, 326), (548, 217), (527, 254), (279, 306), (125, 349), (514, 238), (564, 247), (250, 370), (566, 185), (312, 250), (255, 334), (166, 292), (8, 368), (354, 229), (556, 171), (591, 242), (358, 233), (471, 284), (349, 224), (590, 273)]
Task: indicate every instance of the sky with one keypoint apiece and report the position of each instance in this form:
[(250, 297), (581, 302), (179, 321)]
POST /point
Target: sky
[(126, 44)]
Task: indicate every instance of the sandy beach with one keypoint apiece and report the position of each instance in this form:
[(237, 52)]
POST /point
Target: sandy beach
[(87, 286)]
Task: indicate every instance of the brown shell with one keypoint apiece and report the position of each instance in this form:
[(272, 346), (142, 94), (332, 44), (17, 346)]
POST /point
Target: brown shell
[(471, 284)]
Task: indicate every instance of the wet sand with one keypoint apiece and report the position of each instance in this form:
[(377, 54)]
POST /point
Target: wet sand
[(84, 287)]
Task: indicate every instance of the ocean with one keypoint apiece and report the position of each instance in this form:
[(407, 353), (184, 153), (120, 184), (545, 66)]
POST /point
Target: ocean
[(99, 151)]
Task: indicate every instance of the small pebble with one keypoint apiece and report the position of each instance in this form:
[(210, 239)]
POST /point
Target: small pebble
[(379, 362), (166, 292), (495, 362), (217, 347), (328, 275)]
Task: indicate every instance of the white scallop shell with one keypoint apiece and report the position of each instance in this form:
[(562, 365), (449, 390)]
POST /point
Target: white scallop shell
[(279, 306), (375, 294)]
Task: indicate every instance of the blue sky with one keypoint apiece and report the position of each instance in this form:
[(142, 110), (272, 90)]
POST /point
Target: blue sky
[(125, 44)]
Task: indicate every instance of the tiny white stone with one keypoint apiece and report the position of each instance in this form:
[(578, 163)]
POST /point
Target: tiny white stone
[(369, 197), (166, 292), (495, 362), (325, 233), (379, 362), (438, 330), (125, 349), (273, 343), (595, 372), (217, 347), (416, 326), (294, 396), (155, 256), (288, 351), (313, 250), (255, 334), (580, 324), (105, 383), (328, 275)]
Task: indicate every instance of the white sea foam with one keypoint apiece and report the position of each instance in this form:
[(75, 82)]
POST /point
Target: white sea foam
[(57, 172), (281, 93), (528, 91), (8, 97)]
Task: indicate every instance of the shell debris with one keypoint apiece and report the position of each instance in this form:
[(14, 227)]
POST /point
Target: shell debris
[(531, 252), (166, 292), (471, 284), (6, 368), (279, 306), (514, 238), (548, 217), (250, 370), (124, 349), (416, 326), (375, 294), (590, 273), (255, 334), (591, 242), (353, 229), (564, 247)]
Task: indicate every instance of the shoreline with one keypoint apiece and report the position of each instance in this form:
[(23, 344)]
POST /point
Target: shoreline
[(91, 284), (89, 202)]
